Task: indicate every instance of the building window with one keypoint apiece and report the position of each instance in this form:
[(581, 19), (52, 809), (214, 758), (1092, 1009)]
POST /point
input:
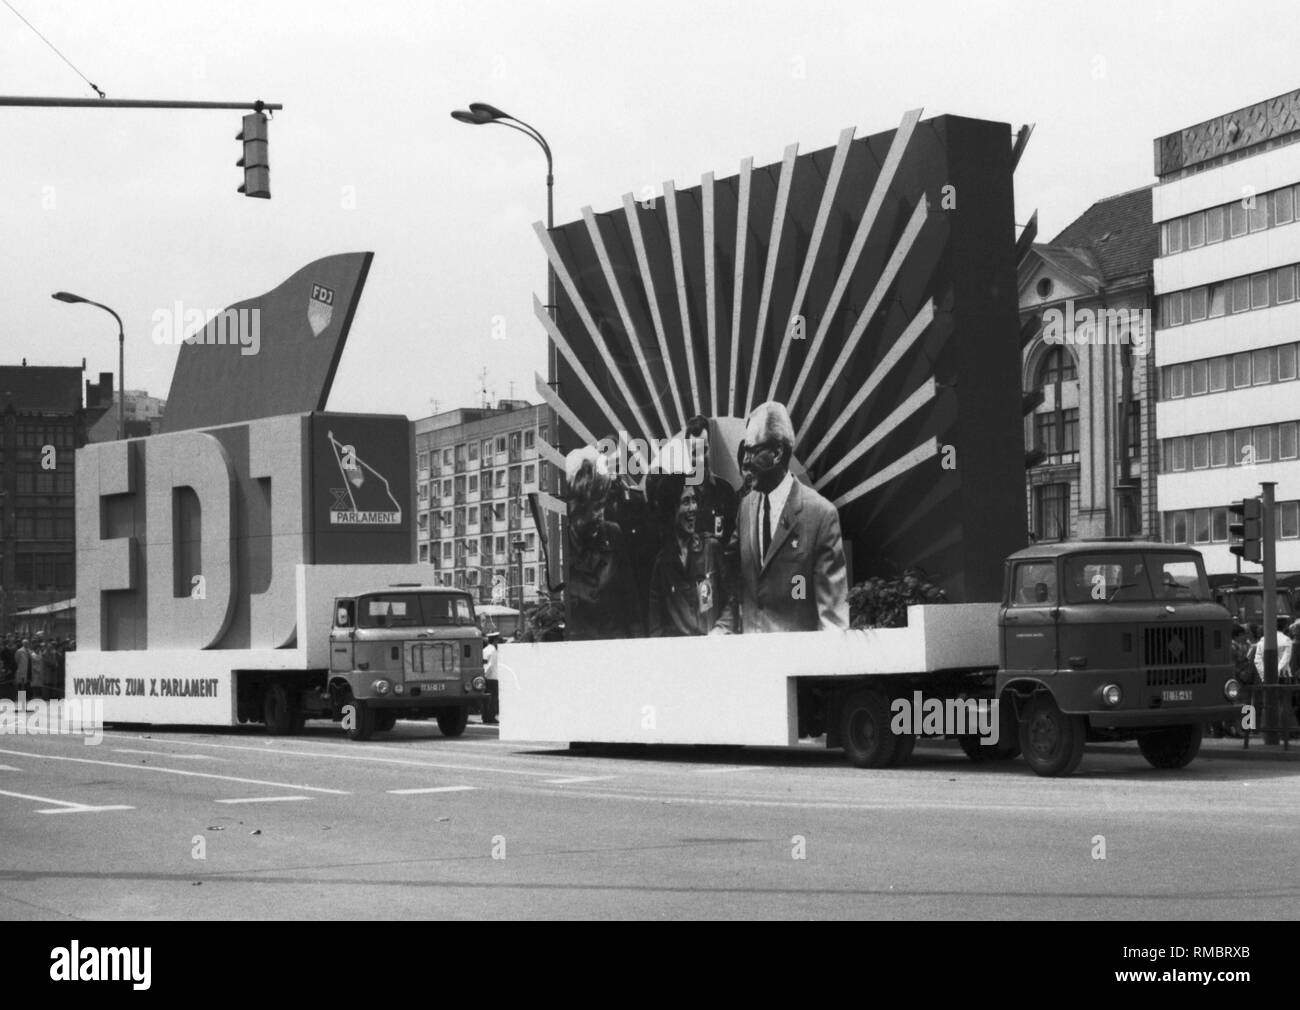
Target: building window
[(1214, 224), (1286, 440), (1052, 511), (1259, 291), (1200, 452), (1057, 366), (1218, 375), (1241, 295), (1290, 519), (1257, 208), (473, 450), (1283, 207), (473, 483), (1200, 377), (1236, 219), (1263, 445), (1286, 362), (1172, 314), (1201, 526), (1219, 448), (1262, 366), (1218, 298), (1176, 527), (530, 474), (1172, 233), (1196, 230), (1196, 304), (1242, 450), (1219, 526), (1240, 370), (501, 443), (1178, 454), (1285, 284), (1177, 381), (530, 438)]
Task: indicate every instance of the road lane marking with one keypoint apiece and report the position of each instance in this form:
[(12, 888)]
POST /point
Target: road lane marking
[(580, 778), (168, 754), (9, 768), (266, 799), (724, 771), (66, 807), (434, 789), (289, 752), (181, 771)]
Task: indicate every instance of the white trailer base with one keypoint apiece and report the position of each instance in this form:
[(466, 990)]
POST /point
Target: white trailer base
[(719, 689)]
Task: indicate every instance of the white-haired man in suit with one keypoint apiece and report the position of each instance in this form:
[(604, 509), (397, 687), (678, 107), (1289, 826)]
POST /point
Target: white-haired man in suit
[(786, 554)]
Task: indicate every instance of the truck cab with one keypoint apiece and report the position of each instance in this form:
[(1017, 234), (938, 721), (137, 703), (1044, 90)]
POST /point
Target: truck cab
[(405, 652), (1107, 640)]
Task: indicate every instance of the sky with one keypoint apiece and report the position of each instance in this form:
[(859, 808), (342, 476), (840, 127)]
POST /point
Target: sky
[(139, 210)]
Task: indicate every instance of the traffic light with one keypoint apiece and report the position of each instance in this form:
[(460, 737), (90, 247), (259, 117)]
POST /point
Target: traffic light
[(1248, 529), (255, 163)]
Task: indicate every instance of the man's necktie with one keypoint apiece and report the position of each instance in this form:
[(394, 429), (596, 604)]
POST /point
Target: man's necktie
[(765, 534)]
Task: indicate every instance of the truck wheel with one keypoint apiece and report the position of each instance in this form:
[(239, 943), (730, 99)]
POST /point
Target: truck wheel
[(278, 711), (1171, 748), (903, 752), (1004, 750), (1052, 741), (452, 721), (385, 720), (363, 721), (864, 730)]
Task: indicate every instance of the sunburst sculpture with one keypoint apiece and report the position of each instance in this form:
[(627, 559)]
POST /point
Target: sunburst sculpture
[(869, 287)]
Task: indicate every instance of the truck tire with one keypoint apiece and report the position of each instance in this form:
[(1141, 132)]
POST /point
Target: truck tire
[(1004, 750), (864, 730), (363, 721), (903, 752), (1174, 747), (279, 712), (385, 720), (453, 720), (1051, 741)]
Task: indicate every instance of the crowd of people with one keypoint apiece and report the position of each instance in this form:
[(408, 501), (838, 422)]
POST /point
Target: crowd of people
[(1248, 658), (689, 554), (33, 665)]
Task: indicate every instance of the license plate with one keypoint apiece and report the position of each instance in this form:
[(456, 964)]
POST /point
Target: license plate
[(431, 686), (1176, 695)]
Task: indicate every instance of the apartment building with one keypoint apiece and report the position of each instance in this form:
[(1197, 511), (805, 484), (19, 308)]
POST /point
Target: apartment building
[(1228, 323), (474, 470)]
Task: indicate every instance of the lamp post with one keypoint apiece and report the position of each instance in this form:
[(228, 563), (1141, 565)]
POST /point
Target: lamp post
[(482, 114), (518, 545), (63, 296)]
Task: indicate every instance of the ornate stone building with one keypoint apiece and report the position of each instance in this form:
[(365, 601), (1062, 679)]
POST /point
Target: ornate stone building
[(1085, 305)]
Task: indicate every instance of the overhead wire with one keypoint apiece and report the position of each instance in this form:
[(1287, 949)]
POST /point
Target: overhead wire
[(54, 47)]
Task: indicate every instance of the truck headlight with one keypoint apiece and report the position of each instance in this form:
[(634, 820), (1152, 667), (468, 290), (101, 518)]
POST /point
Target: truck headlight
[(1232, 689), (480, 684), (1112, 695), (380, 687)]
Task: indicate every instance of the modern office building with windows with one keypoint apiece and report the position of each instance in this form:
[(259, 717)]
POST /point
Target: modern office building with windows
[(474, 470), (1085, 300), (1228, 322)]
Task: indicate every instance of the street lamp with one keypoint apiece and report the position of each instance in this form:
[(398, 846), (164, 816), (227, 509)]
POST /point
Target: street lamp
[(481, 114), (63, 296)]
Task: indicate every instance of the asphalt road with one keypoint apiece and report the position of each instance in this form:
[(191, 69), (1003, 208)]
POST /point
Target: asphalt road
[(418, 826)]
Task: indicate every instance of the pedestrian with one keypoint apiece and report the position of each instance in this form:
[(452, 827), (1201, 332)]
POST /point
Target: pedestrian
[(1283, 654), (8, 671), (23, 666)]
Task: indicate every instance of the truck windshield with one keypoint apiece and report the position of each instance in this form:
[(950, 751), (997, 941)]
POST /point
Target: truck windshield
[(1128, 577), (410, 610)]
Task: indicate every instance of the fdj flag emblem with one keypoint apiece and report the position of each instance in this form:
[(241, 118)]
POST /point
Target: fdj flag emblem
[(366, 498), (320, 309)]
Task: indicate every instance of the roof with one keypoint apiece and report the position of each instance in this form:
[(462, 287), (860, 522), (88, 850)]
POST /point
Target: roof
[(54, 389), (1115, 234), (1056, 549)]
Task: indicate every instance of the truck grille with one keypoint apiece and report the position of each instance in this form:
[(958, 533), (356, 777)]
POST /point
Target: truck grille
[(1177, 645), (432, 661), (1176, 676)]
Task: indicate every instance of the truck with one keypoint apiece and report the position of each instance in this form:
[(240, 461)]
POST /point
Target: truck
[(373, 645), (1100, 640)]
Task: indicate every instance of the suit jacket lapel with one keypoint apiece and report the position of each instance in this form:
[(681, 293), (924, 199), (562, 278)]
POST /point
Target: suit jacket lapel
[(789, 516)]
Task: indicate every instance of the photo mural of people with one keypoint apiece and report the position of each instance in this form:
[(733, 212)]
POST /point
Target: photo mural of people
[(682, 551)]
